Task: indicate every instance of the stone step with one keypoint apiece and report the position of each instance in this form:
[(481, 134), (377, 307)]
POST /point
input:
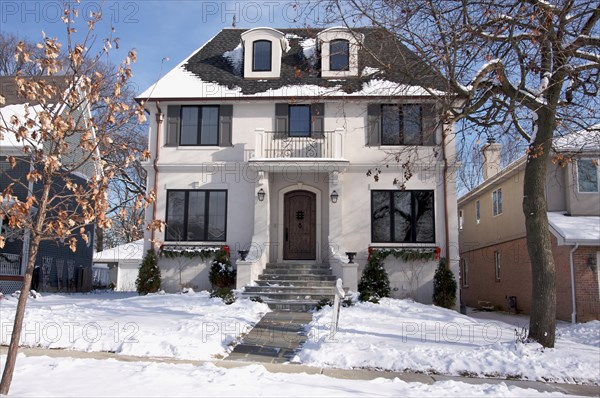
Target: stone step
[(295, 277), (297, 271), (296, 283), (296, 290), (292, 305), (276, 296), (302, 266)]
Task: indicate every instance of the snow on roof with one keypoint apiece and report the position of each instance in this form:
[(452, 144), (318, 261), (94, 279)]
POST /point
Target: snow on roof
[(584, 140), (569, 230), (236, 57), (127, 251), (22, 112)]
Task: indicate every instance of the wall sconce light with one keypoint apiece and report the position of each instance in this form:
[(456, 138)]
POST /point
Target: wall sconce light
[(334, 197), (591, 262), (261, 195)]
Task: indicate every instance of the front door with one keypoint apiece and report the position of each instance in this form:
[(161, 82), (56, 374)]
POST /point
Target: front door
[(300, 226)]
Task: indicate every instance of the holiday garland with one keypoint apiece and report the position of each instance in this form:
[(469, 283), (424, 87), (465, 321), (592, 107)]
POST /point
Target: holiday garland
[(425, 254), (181, 251)]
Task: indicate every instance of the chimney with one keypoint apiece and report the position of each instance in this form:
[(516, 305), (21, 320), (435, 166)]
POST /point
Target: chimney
[(491, 158)]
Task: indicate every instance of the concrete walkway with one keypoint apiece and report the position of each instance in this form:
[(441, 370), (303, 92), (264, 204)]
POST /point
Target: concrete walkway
[(274, 339)]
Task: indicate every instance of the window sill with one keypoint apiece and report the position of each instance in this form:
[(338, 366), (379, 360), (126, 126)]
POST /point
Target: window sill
[(197, 148)]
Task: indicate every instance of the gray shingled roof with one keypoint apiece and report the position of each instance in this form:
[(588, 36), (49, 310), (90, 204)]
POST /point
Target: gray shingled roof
[(381, 50)]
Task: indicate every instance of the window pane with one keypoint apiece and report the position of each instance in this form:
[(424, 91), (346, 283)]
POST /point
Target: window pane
[(381, 216), (175, 215), (411, 116), (390, 125), (299, 120), (587, 175), (195, 229), (216, 216), (424, 216), (189, 125), (500, 201), (210, 125), (262, 56), (402, 216), (339, 55)]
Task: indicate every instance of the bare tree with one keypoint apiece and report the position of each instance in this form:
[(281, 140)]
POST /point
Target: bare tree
[(525, 68), (64, 144), (130, 181)]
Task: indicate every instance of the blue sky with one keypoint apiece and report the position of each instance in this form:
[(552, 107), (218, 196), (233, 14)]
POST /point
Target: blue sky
[(156, 29)]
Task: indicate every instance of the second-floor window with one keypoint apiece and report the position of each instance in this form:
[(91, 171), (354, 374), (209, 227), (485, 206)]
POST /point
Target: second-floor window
[(478, 212), (464, 272), (300, 121), (497, 265), (261, 56), (401, 125), (497, 202), (196, 215), (402, 217), (587, 175), (339, 55), (199, 125)]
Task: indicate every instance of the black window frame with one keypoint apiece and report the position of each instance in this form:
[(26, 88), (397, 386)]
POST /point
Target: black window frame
[(199, 128), (401, 125), (254, 69), (332, 55), (290, 132), (413, 216), (186, 212)]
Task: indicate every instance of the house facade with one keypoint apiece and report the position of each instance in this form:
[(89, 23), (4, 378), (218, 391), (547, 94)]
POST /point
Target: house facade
[(494, 262), (58, 268), (275, 142)]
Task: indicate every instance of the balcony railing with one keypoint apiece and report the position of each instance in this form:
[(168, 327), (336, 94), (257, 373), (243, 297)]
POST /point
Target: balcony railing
[(10, 264), (276, 145)]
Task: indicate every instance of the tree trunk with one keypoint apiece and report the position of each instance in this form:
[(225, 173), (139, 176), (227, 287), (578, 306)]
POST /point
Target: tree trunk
[(99, 239), (542, 324), (9, 366)]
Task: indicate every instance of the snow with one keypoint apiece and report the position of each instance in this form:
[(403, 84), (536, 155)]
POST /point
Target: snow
[(402, 335), (309, 49), (66, 377), (580, 141), (127, 251), (8, 139), (184, 326), (393, 335), (236, 57), (575, 229), (368, 70)]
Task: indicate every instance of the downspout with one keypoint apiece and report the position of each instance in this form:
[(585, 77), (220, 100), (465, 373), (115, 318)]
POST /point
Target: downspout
[(159, 119), (445, 175), (574, 312)]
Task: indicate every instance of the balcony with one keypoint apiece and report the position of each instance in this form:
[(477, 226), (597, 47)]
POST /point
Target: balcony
[(10, 264), (275, 148)]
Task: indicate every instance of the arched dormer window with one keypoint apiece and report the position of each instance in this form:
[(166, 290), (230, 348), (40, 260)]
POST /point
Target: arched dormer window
[(339, 57), (262, 56)]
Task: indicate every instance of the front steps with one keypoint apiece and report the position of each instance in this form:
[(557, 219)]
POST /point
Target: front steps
[(293, 286)]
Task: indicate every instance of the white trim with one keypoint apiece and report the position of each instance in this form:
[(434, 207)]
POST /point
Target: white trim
[(280, 220)]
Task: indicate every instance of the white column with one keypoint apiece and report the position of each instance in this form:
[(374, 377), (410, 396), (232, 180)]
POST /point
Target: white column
[(258, 255)]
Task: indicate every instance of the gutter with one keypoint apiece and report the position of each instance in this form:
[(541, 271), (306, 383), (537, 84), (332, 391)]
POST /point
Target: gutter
[(159, 119), (574, 305)]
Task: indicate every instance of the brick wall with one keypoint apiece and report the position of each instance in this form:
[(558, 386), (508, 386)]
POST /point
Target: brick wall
[(515, 279)]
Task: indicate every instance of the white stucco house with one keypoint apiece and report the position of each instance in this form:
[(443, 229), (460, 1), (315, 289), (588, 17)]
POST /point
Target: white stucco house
[(263, 140)]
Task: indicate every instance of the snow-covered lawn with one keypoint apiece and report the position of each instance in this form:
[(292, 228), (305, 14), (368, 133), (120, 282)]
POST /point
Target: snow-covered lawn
[(65, 377), (402, 335), (394, 335), (186, 326)]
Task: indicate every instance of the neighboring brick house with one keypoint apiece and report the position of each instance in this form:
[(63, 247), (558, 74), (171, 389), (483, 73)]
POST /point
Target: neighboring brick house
[(58, 267), (262, 139), (495, 265)]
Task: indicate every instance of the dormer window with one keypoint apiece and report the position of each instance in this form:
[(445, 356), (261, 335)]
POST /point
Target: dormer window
[(261, 56), (263, 50), (339, 52), (339, 57)]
